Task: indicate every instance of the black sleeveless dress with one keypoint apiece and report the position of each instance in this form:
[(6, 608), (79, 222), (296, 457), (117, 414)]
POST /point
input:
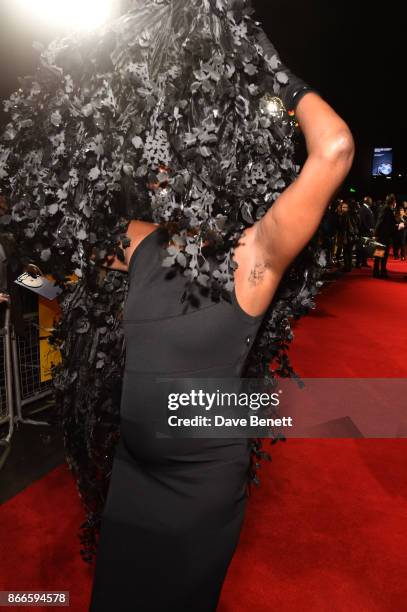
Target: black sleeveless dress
[(175, 506)]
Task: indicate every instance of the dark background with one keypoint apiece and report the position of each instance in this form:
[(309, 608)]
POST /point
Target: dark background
[(351, 51)]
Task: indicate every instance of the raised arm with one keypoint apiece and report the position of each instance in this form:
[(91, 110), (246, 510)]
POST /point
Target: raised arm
[(273, 242), (295, 216)]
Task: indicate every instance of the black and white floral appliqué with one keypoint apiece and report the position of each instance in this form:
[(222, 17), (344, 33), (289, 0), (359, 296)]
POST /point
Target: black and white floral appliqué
[(161, 115)]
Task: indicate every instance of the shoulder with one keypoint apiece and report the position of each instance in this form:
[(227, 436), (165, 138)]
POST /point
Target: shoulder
[(136, 232)]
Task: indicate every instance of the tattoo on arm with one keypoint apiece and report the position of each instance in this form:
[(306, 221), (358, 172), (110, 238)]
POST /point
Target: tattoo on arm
[(257, 273)]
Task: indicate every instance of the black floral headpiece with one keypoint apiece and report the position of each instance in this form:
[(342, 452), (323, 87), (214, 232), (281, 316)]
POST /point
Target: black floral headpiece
[(161, 116)]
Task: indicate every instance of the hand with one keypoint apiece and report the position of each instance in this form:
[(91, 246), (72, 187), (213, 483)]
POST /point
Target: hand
[(33, 270), (4, 297), (293, 91)]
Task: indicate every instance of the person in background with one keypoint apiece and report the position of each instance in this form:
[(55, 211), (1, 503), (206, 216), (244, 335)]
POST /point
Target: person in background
[(376, 208), (385, 230), (10, 268), (354, 206), (348, 234), (399, 245), (328, 232), (404, 233), (366, 226), (338, 246)]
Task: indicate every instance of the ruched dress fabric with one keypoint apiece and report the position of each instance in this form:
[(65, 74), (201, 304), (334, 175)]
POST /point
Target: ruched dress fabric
[(175, 507)]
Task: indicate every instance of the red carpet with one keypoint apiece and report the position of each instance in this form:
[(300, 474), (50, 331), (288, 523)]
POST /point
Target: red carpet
[(327, 529), (358, 330)]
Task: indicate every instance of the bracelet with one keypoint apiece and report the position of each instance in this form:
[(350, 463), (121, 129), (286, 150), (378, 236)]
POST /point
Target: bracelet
[(295, 89), (299, 94)]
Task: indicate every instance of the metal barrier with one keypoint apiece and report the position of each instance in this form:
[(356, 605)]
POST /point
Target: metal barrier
[(3, 375), (26, 358), (6, 390), (20, 375)]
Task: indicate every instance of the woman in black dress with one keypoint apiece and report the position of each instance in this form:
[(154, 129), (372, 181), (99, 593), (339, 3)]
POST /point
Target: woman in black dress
[(175, 506)]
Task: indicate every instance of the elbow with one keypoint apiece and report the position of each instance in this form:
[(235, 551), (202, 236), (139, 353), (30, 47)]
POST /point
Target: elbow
[(339, 148)]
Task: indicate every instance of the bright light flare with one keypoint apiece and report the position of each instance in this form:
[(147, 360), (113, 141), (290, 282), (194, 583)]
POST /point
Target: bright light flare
[(70, 14), (272, 106)]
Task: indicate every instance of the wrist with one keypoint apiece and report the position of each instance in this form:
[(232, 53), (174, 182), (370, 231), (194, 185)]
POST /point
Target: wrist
[(298, 94), (295, 89)]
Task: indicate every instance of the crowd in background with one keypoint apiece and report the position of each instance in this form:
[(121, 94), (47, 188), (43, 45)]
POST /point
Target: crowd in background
[(352, 231)]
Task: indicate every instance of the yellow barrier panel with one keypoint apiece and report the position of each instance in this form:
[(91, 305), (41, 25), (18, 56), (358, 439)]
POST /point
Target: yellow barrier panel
[(49, 312)]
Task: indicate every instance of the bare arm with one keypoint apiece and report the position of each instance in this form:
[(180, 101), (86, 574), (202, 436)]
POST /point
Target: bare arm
[(287, 227), (293, 219)]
